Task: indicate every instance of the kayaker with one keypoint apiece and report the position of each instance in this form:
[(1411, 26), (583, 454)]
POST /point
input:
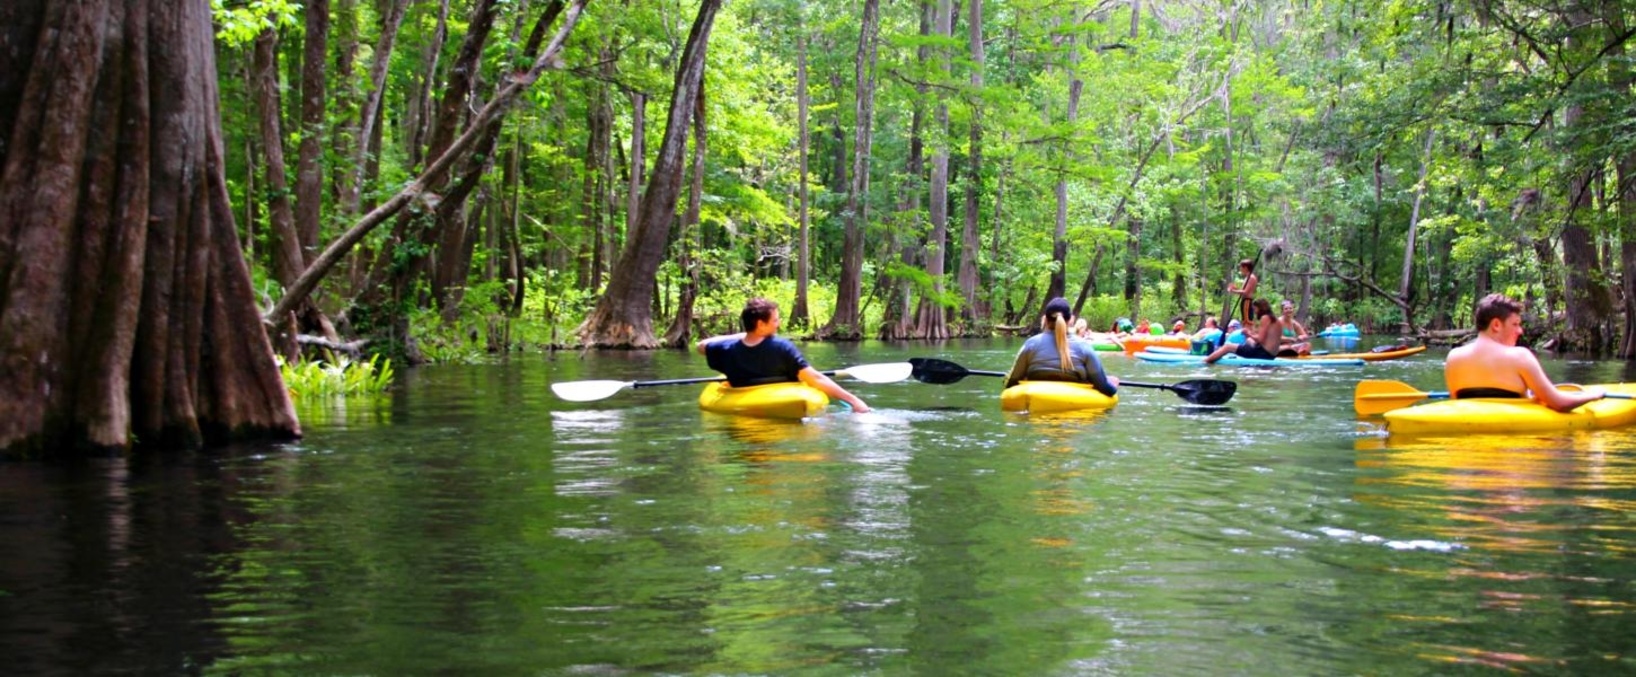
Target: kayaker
[(1209, 331), (1053, 355), (1244, 288), (758, 356), (1495, 366), (1207, 337), (1081, 329), (1268, 332), (1295, 339)]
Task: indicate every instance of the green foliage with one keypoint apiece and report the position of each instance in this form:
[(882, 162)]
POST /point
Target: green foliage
[(1100, 312), (559, 302), (1222, 129), (239, 25), (337, 377)]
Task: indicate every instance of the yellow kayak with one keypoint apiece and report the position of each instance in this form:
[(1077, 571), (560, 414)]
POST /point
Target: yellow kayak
[(1499, 415), (773, 400), (1039, 397)]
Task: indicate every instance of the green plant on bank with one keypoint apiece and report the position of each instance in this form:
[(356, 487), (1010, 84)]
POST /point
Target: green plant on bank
[(341, 376)]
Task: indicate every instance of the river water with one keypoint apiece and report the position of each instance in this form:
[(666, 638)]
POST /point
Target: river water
[(472, 523)]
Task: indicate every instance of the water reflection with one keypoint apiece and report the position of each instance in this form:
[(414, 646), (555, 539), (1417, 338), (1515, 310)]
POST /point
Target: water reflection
[(478, 525), (1541, 528), (106, 565), (995, 533)]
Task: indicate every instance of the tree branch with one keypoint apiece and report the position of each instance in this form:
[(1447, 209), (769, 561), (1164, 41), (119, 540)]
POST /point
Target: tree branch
[(515, 85)]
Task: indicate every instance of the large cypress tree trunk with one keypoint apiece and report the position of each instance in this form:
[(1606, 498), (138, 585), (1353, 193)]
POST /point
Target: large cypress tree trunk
[(623, 317), (126, 313)]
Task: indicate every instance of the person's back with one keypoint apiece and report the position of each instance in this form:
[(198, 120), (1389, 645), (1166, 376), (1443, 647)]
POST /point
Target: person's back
[(1045, 363), (1495, 366), (1486, 365), (1039, 358)]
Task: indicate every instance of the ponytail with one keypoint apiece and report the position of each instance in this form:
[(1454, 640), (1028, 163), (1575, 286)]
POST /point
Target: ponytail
[(1060, 328)]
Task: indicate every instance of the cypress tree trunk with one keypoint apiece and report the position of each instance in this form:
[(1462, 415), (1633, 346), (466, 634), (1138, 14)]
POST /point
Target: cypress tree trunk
[(681, 329), (847, 322), (800, 315), (973, 312), (623, 317), (126, 313)]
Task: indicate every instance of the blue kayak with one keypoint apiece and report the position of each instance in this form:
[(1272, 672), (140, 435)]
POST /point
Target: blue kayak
[(1236, 361), (1347, 330)]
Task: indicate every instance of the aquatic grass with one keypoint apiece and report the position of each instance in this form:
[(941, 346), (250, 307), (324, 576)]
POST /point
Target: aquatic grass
[(342, 376)]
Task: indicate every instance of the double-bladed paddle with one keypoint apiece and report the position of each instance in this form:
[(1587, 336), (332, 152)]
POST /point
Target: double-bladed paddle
[(588, 391), (1208, 392), (1378, 397)]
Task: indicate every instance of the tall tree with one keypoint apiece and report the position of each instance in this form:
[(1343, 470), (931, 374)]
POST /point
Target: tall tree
[(126, 312), (285, 251), (847, 322), (308, 170), (681, 330), (800, 315), (436, 170), (1065, 160), (932, 317), (972, 311), (623, 317), (369, 115)]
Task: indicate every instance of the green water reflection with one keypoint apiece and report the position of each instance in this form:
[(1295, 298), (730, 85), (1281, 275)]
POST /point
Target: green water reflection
[(474, 524)]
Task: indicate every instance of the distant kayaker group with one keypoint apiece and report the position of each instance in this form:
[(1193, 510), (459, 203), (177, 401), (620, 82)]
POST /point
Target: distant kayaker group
[(1062, 357)]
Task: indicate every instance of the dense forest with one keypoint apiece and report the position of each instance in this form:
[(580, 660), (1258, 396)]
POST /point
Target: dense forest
[(929, 169), (441, 178)]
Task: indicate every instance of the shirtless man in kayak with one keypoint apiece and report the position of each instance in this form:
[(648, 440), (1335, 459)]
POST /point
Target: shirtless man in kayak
[(1494, 366), (757, 355)]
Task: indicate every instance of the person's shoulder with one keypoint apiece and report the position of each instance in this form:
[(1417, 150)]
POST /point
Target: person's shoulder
[(1520, 354), (783, 343)]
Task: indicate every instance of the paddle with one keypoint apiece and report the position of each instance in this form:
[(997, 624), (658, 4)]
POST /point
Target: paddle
[(1200, 391), (588, 391), (1378, 397)]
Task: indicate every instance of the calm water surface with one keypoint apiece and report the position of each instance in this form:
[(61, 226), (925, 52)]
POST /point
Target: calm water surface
[(473, 524)]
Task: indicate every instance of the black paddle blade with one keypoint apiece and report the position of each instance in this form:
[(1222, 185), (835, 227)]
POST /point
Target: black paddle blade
[(1206, 391), (935, 371)]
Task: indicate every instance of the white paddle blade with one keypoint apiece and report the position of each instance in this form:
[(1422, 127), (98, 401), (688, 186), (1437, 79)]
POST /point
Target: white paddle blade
[(887, 372), (588, 391)]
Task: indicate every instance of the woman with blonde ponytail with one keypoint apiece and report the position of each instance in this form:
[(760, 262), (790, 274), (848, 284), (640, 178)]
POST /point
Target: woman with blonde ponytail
[(1055, 354)]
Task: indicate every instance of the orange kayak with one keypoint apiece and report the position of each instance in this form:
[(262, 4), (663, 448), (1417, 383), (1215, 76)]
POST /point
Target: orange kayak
[(1140, 342), (1369, 357)]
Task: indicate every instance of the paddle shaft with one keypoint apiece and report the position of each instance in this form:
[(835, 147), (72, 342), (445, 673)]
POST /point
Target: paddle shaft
[(676, 381), (705, 379)]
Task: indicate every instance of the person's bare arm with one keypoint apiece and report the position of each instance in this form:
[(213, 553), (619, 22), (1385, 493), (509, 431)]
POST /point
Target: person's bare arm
[(1556, 398), (816, 379)]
